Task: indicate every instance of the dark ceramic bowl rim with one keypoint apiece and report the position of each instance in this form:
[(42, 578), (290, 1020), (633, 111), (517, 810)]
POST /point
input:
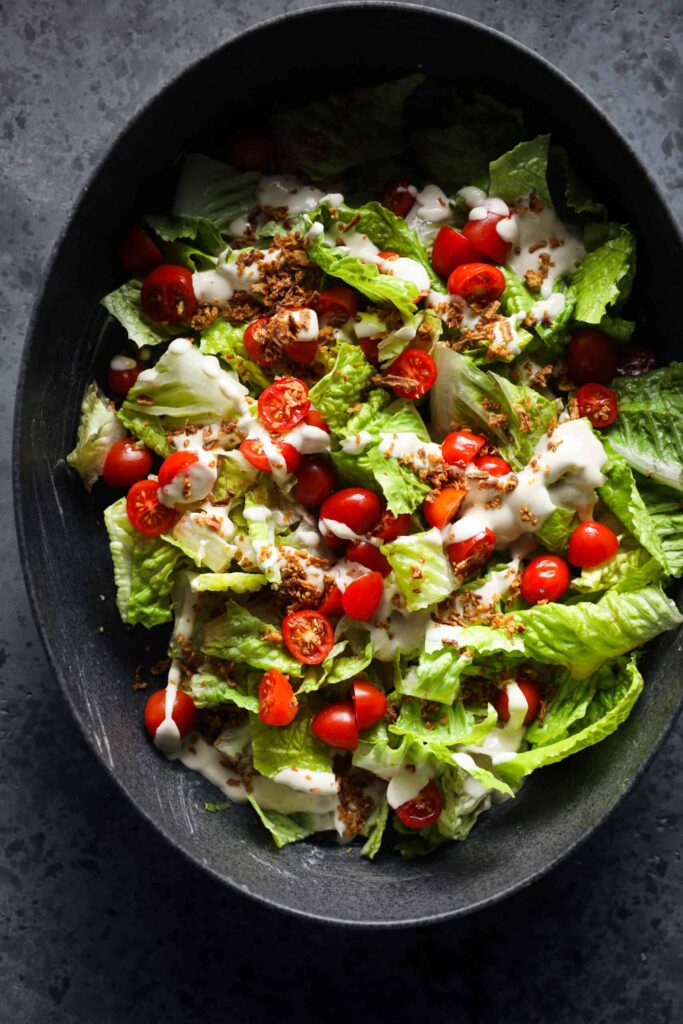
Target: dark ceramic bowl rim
[(193, 69)]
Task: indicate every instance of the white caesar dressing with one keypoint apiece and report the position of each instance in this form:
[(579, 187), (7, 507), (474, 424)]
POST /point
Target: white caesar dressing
[(305, 321), (356, 444), (431, 204), (307, 781), (192, 484), (406, 783), (283, 190), (340, 530), (407, 445), (487, 596), (407, 270), (562, 245), (307, 439), (121, 363), (548, 309), (504, 741)]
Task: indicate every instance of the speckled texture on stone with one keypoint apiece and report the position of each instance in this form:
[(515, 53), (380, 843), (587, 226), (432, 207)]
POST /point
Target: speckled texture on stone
[(100, 920)]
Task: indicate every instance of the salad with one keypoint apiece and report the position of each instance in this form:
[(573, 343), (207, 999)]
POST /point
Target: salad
[(382, 443)]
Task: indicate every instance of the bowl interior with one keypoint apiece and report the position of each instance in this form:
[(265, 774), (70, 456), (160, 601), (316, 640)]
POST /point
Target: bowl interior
[(63, 538)]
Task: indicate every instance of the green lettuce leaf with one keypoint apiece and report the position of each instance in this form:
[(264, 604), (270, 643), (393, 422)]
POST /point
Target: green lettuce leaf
[(403, 491), (599, 279), (522, 170), (214, 191), (202, 544), (278, 748), (666, 511), (374, 830), (340, 390), (622, 497), (426, 322), (147, 429), (242, 637), (237, 582), (436, 677), (227, 341), (345, 661), (124, 305), (423, 572), (284, 828), (555, 532), (208, 690), (631, 568), (235, 476), (192, 242), (98, 430)]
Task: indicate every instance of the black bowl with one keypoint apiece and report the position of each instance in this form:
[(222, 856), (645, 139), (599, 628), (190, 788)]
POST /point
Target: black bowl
[(64, 546)]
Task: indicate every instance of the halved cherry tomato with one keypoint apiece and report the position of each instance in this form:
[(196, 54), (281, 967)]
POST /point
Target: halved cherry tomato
[(483, 235), (315, 480), (398, 198), (355, 507), (174, 464), (369, 703), (478, 282), (424, 809), (332, 602), (390, 526), (598, 404), (336, 725), (137, 252), (284, 404), (592, 544), (146, 512), (127, 462), (336, 543), (362, 598), (338, 301), (493, 465), (308, 635), (532, 696), (370, 347), (545, 578), (451, 249), (277, 704), (460, 447), (184, 712), (167, 295), (368, 555), (417, 371), (256, 342), (249, 149), (591, 356), (468, 556), (632, 360), (254, 453), (314, 419), (440, 507), (122, 373)]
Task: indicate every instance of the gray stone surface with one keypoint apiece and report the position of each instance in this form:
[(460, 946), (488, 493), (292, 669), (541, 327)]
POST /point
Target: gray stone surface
[(100, 921)]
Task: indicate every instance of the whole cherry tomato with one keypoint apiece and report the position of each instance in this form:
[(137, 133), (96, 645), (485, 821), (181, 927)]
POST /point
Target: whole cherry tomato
[(363, 596), (451, 249), (477, 282), (441, 506), (137, 252), (308, 635), (460, 447), (277, 704), (532, 696), (398, 198), (424, 809), (257, 342), (493, 465), (336, 725), (417, 371), (598, 404), (167, 295), (592, 544), (284, 404), (339, 301), (355, 507), (369, 703), (122, 373), (483, 234), (127, 462), (365, 553), (591, 357), (249, 149), (173, 464), (184, 712), (145, 510), (390, 526), (632, 360), (468, 556), (332, 602), (315, 480), (253, 452), (545, 578)]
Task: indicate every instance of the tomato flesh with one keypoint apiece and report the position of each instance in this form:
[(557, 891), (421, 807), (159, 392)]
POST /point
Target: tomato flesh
[(257, 342), (441, 506), (591, 356), (253, 452), (369, 703), (122, 373), (184, 712), (336, 725), (468, 556), (315, 480), (591, 544), (249, 150), (632, 360), (460, 447), (167, 295), (368, 555), (127, 462), (398, 198), (545, 578), (424, 809), (362, 598), (477, 282), (532, 696), (451, 249), (277, 704), (284, 404), (417, 371), (483, 235), (137, 252), (146, 512), (337, 302), (308, 635), (493, 465), (332, 602), (598, 404), (355, 507), (391, 526)]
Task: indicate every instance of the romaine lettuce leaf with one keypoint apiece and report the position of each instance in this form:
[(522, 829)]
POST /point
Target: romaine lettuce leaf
[(631, 568), (423, 571), (201, 543), (436, 677), (284, 828), (226, 340), (426, 322), (235, 476), (522, 170), (147, 429), (621, 495), (279, 748), (666, 511), (601, 276), (374, 830), (555, 532), (344, 661), (337, 393), (192, 242), (402, 489), (208, 690), (98, 430), (124, 305), (242, 637), (237, 582), (210, 189)]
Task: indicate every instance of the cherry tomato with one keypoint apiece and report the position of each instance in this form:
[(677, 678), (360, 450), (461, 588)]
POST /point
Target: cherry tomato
[(424, 809), (370, 347), (167, 295), (249, 150), (184, 712), (277, 704), (418, 370), (493, 465), (368, 555), (390, 526), (468, 556), (362, 598), (254, 453), (592, 544), (460, 447), (314, 419), (127, 462), (451, 249), (478, 282), (440, 507), (398, 198), (122, 373), (301, 351), (598, 404), (174, 464), (369, 703), (336, 543), (591, 356), (284, 404), (146, 512), (545, 578), (315, 480), (256, 342), (308, 635), (336, 725), (484, 236), (632, 360), (339, 301), (355, 507), (332, 602), (532, 695), (137, 252)]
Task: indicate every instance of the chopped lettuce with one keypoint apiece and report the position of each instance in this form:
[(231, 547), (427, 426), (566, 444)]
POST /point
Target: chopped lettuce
[(403, 491), (621, 495), (208, 689), (345, 661), (374, 830), (425, 323), (423, 571), (124, 305), (630, 569), (522, 170), (242, 637), (204, 545), (147, 429), (601, 276), (214, 191), (284, 828), (237, 582), (227, 341), (337, 393), (279, 748), (666, 511), (98, 430), (192, 242)]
